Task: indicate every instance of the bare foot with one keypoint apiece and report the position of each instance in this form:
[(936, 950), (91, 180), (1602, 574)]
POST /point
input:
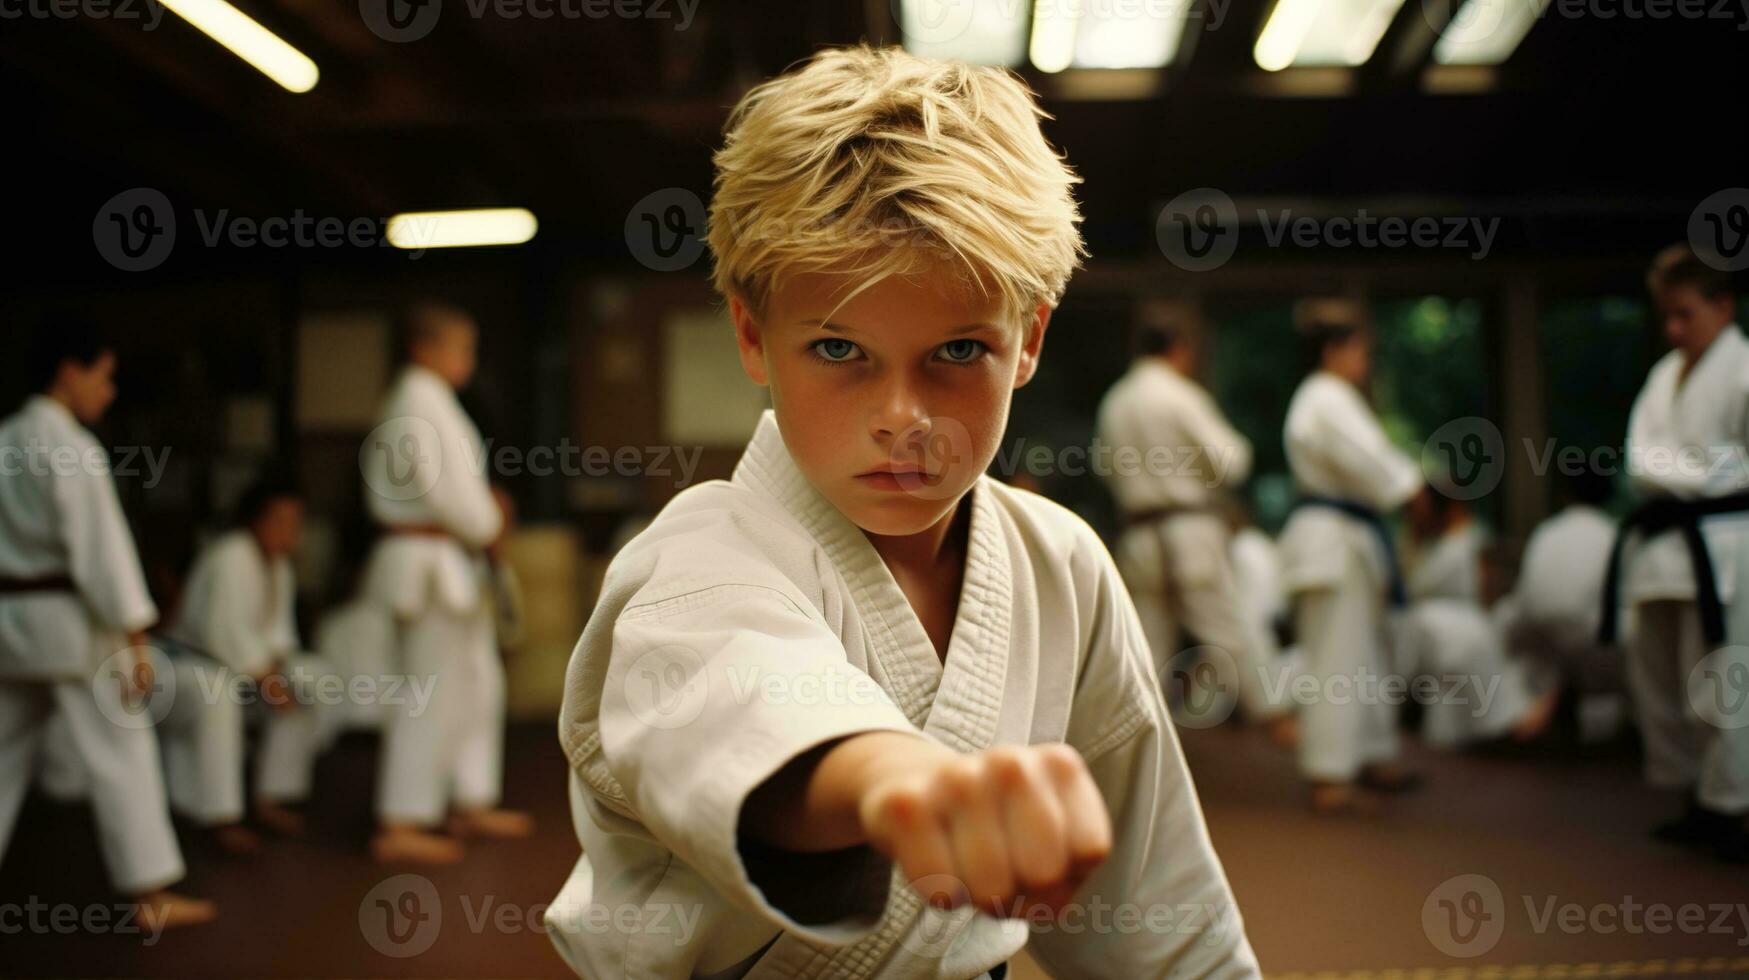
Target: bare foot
[(1538, 717), (497, 824), (162, 909), (1338, 799), (282, 820), (1284, 732), (1385, 777), (409, 845), (237, 840)]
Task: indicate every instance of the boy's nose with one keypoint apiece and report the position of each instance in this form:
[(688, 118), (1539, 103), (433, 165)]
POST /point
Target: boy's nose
[(899, 415)]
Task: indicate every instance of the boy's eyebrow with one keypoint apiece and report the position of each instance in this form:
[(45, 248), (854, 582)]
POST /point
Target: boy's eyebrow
[(956, 331)]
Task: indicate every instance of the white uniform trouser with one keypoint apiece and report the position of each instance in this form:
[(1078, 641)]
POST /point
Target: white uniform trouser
[(1346, 725), (60, 772), (204, 740), (1682, 750), (1180, 578), (121, 761), (450, 750)]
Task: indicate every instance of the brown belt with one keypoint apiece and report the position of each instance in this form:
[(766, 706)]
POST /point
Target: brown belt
[(1153, 514), (46, 583)]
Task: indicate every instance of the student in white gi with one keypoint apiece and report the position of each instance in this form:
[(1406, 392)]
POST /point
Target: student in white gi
[(426, 486), (1448, 633), (840, 707), (1687, 434), (1172, 452), (1551, 617), (1337, 561), (237, 648), (73, 611)]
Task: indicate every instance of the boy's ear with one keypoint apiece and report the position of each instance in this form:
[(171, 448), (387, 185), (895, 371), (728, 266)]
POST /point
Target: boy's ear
[(749, 340), (1035, 340)]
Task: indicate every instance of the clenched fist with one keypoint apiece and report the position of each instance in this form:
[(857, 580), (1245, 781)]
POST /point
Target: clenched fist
[(1008, 829)]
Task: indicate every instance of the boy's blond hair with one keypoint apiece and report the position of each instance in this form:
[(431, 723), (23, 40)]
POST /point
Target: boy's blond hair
[(874, 162)]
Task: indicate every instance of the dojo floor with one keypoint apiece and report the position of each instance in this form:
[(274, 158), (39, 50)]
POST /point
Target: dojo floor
[(1329, 898)]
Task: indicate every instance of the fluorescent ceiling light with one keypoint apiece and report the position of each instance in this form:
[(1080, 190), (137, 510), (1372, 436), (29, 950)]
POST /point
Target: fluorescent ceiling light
[(1486, 32), (449, 229), (979, 32), (1119, 35), (246, 39), (1053, 35), (1323, 32)]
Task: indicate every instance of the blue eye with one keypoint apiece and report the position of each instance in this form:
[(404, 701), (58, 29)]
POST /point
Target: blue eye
[(962, 351), (834, 350)]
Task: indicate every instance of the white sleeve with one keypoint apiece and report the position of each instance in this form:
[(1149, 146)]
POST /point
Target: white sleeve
[(707, 695), (284, 641), (1162, 890), (460, 496), (1665, 479), (101, 558), (233, 630), (1355, 446), (1210, 429)]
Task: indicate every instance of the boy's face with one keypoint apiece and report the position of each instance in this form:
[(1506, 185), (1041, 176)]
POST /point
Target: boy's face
[(450, 352), (895, 406), (1351, 359), (1691, 321), (280, 526), (89, 388)]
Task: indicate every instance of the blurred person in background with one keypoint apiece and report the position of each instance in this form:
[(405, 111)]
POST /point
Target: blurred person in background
[(235, 647), (1676, 557), (1339, 561), (1173, 453), (431, 567), (73, 613)]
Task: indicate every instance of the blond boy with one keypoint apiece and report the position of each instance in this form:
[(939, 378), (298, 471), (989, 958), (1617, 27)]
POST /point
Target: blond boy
[(862, 711)]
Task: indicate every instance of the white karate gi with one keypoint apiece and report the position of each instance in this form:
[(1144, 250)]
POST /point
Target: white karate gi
[(1172, 449), (59, 515), (358, 638), (1257, 574), (449, 751), (1447, 633), (753, 622), (237, 619), (1706, 416), (1335, 568), (1558, 599)]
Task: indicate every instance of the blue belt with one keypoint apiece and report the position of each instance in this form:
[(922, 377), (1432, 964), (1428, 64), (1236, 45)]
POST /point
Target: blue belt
[(1370, 517)]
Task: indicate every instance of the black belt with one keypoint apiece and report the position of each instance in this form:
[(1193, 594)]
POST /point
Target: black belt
[(1656, 517), (45, 583), (1371, 518)]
